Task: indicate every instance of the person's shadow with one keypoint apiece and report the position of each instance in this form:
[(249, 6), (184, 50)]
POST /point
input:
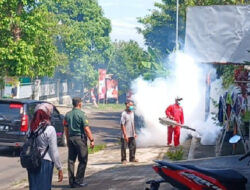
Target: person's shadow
[(61, 186)]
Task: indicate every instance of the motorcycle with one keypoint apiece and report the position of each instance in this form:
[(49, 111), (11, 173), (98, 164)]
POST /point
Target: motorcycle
[(189, 177)]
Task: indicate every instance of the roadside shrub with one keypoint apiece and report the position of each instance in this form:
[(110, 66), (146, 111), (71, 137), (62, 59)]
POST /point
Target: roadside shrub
[(97, 148), (110, 107), (176, 154)]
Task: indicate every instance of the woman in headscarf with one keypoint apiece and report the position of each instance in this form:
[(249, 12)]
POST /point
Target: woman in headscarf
[(41, 179)]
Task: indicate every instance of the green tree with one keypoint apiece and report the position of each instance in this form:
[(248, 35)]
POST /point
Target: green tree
[(154, 67), (84, 39), (26, 39), (159, 26), (126, 63)]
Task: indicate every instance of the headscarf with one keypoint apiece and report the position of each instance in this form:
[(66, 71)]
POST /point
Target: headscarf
[(46, 107), (42, 115)]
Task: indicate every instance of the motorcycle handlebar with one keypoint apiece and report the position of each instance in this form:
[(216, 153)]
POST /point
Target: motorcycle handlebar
[(244, 156)]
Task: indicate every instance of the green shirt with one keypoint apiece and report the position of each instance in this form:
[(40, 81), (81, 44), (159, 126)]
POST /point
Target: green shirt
[(76, 120)]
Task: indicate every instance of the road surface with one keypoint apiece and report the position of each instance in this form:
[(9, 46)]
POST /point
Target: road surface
[(104, 125)]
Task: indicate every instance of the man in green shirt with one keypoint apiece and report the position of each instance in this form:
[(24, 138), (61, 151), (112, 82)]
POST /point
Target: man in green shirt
[(76, 131)]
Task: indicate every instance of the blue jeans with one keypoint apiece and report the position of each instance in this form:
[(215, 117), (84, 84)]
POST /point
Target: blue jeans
[(41, 179)]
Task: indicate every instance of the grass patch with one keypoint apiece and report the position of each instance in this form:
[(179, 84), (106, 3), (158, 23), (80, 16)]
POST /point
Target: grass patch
[(109, 107), (176, 154), (97, 148)]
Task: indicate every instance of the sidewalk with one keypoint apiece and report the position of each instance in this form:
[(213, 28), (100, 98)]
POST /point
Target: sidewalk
[(103, 165), (105, 171)]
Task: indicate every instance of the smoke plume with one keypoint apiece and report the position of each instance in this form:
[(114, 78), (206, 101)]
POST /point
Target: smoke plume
[(187, 80)]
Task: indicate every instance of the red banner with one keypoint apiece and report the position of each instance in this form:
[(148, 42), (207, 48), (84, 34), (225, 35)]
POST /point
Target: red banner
[(102, 86), (112, 88)]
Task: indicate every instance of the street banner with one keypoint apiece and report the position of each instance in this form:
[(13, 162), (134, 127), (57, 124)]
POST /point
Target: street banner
[(112, 89), (218, 34), (11, 80), (101, 84)]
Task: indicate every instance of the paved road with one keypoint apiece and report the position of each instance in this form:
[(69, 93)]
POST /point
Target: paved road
[(104, 125), (11, 171)]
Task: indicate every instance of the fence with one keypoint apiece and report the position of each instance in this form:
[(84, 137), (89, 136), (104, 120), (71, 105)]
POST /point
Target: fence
[(46, 90)]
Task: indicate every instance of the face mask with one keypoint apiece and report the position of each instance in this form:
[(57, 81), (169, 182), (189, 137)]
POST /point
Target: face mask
[(131, 108)]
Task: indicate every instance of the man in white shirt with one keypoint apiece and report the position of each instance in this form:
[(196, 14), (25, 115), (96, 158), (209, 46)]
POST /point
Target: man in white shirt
[(128, 133)]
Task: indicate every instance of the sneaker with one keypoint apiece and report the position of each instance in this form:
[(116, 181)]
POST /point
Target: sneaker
[(76, 185)]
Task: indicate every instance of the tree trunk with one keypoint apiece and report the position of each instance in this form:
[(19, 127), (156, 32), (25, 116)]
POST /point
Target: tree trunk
[(2, 84), (16, 30)]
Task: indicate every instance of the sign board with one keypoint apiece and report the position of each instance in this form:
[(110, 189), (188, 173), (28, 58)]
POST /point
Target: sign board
[(112, 88), (101, 84), (11, 80), (218, 33)]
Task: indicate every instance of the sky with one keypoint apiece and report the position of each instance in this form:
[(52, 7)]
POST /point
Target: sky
[(123, 15)]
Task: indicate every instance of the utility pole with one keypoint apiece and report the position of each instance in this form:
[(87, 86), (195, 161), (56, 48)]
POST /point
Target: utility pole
[(177, 27)]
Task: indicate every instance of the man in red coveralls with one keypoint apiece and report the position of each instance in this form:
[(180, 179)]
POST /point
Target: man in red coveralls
[(175, 112)]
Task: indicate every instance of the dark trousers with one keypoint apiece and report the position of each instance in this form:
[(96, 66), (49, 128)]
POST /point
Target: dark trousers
[(41, 179), (132, 149), (77, 148)]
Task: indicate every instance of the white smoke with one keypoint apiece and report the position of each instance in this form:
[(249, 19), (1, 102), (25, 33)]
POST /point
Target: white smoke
[(208, 131), (187, 80)]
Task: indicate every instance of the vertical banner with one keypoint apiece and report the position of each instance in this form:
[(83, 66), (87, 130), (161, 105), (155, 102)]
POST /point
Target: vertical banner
[(101, 84), (112, 89)]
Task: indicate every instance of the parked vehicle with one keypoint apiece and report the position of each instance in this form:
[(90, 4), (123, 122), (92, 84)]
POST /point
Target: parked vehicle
[(191, 177), (15, 119)]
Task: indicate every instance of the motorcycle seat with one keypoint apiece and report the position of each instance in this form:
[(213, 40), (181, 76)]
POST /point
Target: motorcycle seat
[(223, 175)]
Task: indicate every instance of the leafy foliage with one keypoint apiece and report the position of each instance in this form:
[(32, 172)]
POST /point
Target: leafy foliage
[(154, 67), (97, 148), (159, 26), (110, 107), (176, 154), (83, 38), (126, 63), (246, 116), (26, 39), (227, 74), (72, 37)]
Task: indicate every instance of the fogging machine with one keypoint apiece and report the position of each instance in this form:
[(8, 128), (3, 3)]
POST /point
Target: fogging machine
[(167, 121)]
